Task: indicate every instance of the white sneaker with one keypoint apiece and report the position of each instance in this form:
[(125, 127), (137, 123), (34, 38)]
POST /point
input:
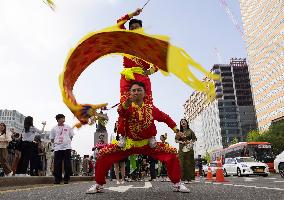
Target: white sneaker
[(152, 142), (122, 182), (20, 175), (179, 187), (9, 175), (94, 189), (117, 182)]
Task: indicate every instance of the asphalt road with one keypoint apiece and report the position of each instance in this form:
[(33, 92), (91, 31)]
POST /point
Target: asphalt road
[(271, 187)]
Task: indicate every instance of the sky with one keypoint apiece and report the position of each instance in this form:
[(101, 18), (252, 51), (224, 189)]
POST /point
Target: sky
[(35, 41)]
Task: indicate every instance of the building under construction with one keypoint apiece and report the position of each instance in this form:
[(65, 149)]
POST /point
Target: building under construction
[(231, 115)]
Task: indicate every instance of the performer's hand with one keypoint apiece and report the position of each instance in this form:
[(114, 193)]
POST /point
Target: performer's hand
[(128, 101), (147, 72), (137, 12)]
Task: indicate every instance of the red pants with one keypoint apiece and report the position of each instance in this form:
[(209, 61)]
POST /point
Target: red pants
[(112, 154)]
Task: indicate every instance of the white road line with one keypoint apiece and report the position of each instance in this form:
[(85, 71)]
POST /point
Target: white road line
[(124, 188), (249, 179), (228, 184), (271, 178), (250, 186), (278, 181), (269, 188)]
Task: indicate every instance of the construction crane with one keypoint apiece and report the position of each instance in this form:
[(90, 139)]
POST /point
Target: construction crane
[(229, 12)]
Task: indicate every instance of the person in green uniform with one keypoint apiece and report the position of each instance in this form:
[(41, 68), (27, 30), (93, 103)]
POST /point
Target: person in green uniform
[(186, 139)]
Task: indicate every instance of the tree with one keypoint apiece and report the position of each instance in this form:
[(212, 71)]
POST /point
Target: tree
[(235, 140), (207, 157), (253, 135), (275, 135)]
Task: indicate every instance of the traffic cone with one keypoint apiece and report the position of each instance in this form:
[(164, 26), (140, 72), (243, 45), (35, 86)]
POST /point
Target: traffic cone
[(209, 174), (219, 172)]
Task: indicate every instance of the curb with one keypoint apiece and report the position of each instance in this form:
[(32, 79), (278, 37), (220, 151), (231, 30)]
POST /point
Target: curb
[(33, 180)]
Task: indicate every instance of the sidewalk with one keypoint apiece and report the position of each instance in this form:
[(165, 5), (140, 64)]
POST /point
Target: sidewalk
[(33, 180)]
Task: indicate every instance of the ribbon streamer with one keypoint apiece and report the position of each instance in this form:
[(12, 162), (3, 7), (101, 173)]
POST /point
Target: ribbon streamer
[(154, 49)]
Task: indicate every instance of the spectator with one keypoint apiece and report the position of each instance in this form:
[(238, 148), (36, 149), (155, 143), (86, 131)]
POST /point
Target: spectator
[(245, 152), (28, 136), (37, 152), (163, 171), (15, 146), (85, 165), (4, 141), (91, 166), (119, 168), (186, 153), (61, 135), (153, 172), (199, 164)]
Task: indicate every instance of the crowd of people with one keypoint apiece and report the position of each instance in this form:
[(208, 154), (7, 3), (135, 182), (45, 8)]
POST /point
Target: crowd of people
[(23, 154)]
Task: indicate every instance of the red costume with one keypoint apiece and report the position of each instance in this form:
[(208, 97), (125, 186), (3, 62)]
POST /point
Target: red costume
[(139, 125), (125, 83)]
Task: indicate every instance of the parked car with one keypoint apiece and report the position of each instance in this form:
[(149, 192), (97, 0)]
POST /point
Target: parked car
[(279, 164), (213, 166), (245, 166)]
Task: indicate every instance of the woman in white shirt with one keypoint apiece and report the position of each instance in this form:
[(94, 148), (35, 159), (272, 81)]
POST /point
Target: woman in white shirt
[(4, 141), (28, 136)]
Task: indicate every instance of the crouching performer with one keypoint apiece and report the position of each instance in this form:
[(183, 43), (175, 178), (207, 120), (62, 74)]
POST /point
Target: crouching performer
[(139, 138)]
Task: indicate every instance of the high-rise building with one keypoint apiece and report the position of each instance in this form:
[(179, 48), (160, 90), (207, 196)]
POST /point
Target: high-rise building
[(12, 119), (231, 115), (263, 23)]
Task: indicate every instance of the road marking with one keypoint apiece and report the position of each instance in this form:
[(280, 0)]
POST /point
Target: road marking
[(256, 187), (269, 188), (228, 184), (147, 185), (249, 179), (250, 186), (217, 183), (123, 188), (278, 181), (120, 188), (271, 178)]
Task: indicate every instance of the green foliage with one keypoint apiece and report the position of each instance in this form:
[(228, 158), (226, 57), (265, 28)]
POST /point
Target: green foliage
[(252, 135), (207, 157), (235, 141)]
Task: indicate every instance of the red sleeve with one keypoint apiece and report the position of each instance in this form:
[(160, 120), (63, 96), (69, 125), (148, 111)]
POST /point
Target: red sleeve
[(125, 18), (162, 117)]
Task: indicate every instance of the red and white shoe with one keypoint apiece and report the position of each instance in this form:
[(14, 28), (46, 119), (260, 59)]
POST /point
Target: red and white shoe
[(95, 189), (179, 187)]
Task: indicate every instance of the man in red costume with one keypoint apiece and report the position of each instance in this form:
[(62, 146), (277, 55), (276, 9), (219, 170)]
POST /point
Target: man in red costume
[(139, 129), (135, 69)]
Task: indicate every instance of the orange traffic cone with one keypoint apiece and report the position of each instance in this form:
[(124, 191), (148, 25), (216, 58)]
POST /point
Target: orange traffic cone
[(209, 174), (219, 172)]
